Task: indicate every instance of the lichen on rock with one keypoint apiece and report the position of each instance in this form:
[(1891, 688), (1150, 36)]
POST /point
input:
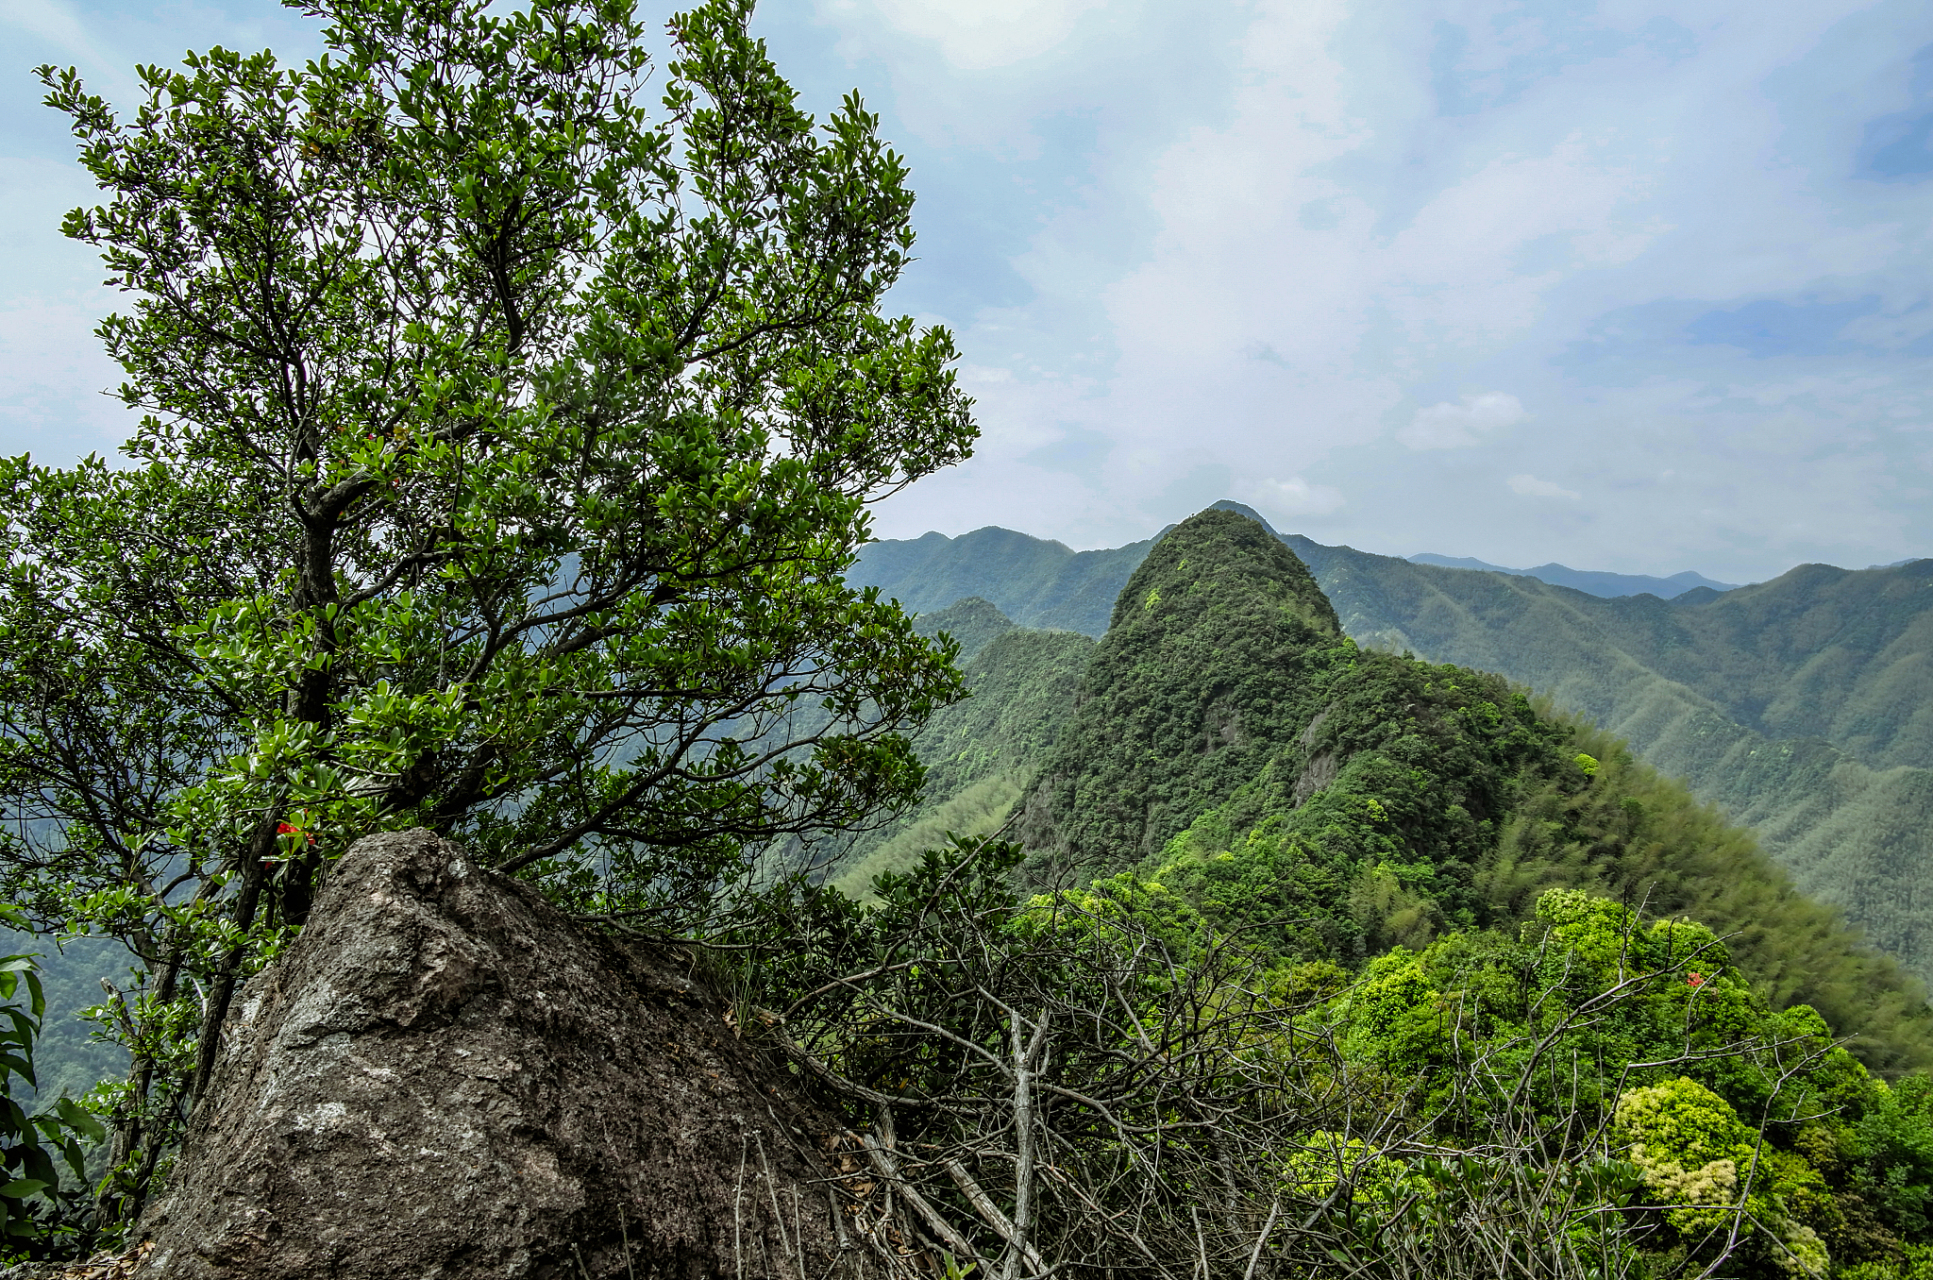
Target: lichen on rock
[(445, 1077)]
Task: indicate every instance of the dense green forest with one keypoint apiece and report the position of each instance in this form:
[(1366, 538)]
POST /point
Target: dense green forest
[(71, 1058), (1800, 706), (979, 752), (1225, 711), (1314, 944), (1035, 582), (1130, 915), (1471, 944)]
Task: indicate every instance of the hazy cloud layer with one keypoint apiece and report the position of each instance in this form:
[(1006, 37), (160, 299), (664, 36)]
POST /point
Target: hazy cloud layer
[(1637, 285), (1464, 424), (1630, 285)]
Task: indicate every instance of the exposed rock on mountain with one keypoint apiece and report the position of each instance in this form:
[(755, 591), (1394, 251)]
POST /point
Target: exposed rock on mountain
[(445, 1077)]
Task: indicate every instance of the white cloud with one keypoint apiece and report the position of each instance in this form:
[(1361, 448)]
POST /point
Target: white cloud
[(1892, 330), (1297, 497), (1459, 426), (55, 23), (1213, 243), (1532, 487), (975, 35), (1331, 239), (52, 375)]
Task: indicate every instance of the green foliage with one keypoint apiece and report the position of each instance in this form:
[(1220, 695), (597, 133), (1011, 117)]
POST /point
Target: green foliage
[(1340, 801), (977, 809), (69, 1057), (40, 1217), (1794, 703), (1182, 700), (972, 623), (1034, 582), (1797, 705), (1894, 1144), (1546, 937), (497, 477), (1682, 1124), (1746, 1127), (1600, 1089), (979, 753)]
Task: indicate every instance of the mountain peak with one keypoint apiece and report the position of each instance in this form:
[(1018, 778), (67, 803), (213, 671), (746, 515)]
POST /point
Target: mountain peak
[(1590, 581), (1224, 558), (1201, 676), (1229, 504)]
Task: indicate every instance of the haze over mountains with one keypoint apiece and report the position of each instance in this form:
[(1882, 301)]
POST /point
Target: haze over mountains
[(1589, 581), (1802, 706)]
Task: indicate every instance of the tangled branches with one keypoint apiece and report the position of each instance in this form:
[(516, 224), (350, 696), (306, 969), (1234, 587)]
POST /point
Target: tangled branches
[(1067, 1086)]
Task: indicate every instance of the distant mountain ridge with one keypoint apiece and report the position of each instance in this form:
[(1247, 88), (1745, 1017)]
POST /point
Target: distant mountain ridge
[(1036, 582), (1803, 705), (1226, 754), (1590, 581)]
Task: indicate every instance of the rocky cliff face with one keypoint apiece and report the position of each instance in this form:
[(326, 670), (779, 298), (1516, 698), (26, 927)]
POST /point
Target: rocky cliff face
[(444, 1077)]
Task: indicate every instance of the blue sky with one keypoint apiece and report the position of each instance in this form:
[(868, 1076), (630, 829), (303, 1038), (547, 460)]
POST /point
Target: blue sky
[(1630, 285)]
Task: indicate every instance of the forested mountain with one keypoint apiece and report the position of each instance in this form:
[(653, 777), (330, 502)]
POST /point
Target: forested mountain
[(1803, 706), (1852, 830), (1477, 932), (68, 1058), (1035, 582), (1201, 679), (973, 622), (979, 752), (1845, 656), (1225, 710), (1246, 758)]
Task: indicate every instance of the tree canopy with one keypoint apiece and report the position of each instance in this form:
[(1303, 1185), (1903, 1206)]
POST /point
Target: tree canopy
[(506, 434)]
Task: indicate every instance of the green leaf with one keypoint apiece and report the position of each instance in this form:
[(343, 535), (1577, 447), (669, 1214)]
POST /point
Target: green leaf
[(81, 1119)]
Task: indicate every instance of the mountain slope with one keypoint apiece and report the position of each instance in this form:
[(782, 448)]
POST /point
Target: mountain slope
[(1703, 687), (1841, 655), (1852, 834), (1193, 685), (1327, 802), (979, 752), (974, 622), (1034, 582)]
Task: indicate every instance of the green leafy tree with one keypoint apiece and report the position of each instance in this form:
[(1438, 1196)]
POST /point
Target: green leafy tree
[(39, 1216), (505, 439)]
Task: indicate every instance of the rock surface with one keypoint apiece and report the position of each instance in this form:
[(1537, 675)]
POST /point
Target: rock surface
[(444, 1077)]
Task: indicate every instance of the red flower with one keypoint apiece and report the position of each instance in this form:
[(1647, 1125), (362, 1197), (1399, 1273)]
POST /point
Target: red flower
[(1695, 980)]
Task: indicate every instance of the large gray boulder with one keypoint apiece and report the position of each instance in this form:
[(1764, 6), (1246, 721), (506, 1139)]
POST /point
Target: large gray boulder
[(444, 1077)]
